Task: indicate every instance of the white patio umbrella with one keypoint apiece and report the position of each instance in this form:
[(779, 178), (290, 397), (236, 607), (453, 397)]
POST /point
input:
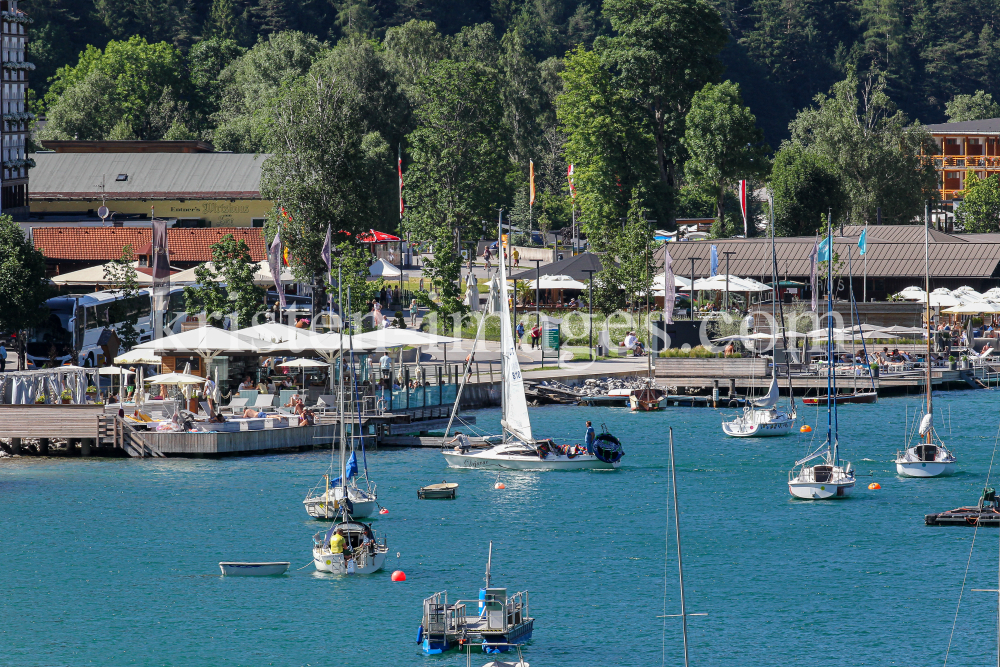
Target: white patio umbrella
[(911, 293), (180, 379), (736, 284), (140, 395), (557, 282), (472, 298), (973, 308), (966, 292), (304, 364)]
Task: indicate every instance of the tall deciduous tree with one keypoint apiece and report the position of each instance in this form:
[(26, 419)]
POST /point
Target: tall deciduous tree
[(628, 270), (227, 285), (663, 52), (456, 178), (725, 144), (123, 281), (873, 146), (977, 106), (806, 188), (979, 211), (23, 285)]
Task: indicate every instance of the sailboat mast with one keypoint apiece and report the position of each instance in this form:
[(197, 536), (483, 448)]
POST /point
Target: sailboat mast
[(927, 288), (505, 313), (680, 564), (830, 368), (340, 386)]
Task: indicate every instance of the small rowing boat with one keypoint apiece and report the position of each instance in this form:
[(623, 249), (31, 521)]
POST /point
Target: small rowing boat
[(435, 491), (236, 569)]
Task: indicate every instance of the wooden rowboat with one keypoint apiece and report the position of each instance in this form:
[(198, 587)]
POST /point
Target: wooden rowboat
[(234, 569), (442, 490)]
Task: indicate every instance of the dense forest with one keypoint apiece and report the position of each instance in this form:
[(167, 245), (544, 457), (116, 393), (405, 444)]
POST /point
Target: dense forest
[(660, 106), (782, 52)]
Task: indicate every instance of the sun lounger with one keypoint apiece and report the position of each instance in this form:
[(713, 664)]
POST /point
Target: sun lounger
[(237, 404), (264, 401)]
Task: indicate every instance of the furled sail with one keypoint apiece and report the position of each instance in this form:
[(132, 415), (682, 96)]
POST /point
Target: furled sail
[(771, 398), (515, 406), (925, 423)]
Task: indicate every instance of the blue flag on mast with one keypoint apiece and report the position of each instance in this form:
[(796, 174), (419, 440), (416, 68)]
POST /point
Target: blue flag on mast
[(863, 242), (823, 253), (714, 261)]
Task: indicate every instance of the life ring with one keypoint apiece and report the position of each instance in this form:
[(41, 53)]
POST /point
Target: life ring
[(420, 634)]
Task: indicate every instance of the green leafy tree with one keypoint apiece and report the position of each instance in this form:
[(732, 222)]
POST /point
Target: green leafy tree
[(628, 270), (23, 285), (874, 148), (411, 50), (805, 187), (607, 141), (250, 84), (227, 285), (663, 52), (979, 211), (143, 85), (456, 178), (725, 145), (224, 21), (353, 259), (977, 106), (123, 281)]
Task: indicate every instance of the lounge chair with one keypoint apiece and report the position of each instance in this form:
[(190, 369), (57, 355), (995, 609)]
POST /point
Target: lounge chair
[(326, 402), (264, 401), (237, 404)]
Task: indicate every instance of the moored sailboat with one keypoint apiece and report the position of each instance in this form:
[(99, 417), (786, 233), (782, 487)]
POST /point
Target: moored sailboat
[(829, 478), (928, 457)]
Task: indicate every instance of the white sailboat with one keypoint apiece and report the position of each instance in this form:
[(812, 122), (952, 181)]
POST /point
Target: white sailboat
[(828, 477), (520, 449), (762, 418), (329, 500), (928, 457)]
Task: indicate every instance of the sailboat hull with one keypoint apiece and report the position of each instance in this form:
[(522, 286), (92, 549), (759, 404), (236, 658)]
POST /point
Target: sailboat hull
[(550, 462), (817, 491), (327, 505), (334, 563), (739, 428), (925, 468)]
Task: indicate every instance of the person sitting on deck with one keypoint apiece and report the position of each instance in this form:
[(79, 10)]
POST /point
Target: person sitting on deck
[(307, 418), (217, 419), (631, 340), (293, 401), (730, 350)]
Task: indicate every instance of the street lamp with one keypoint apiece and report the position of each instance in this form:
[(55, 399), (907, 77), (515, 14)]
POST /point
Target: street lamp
[(590, 308)]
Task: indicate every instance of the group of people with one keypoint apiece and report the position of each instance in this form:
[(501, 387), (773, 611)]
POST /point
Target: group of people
[(632, 344)]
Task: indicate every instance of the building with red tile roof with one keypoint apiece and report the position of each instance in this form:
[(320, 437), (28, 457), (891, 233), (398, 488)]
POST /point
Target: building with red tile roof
[(71, 248)]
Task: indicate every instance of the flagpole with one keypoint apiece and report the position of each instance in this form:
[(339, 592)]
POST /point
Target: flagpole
[(864, 288)]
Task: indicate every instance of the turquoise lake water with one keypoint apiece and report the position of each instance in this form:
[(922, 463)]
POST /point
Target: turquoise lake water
[(114, 562)]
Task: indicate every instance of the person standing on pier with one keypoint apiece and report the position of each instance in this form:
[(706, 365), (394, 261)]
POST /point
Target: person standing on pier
[(3, 358), (210, 396), (589, 438)]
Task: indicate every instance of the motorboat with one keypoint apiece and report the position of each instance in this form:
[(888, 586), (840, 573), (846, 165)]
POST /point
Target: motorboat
[(519, 448), (646, 399), (364, 553), (828, 477), (843, 398), (986, 513), (496, 621), (239, 569), (929, 456)]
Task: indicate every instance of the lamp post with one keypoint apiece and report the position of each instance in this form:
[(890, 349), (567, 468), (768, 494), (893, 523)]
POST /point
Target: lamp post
[(538, 279), (727, 253), (590, 308), (691, 294)]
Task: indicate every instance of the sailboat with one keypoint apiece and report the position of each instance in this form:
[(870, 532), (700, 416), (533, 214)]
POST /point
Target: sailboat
[(328, 500), (363, 552), (828, 478), (519, 448), (928, 457), (762, 418)]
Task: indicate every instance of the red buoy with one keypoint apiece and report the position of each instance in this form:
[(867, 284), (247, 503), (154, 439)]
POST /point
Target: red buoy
[(806, 428), (499, 485), (383, 511), (398, 575)]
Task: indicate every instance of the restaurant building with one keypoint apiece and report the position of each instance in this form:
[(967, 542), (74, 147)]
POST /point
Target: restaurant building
[(182, 180), (961, 146)]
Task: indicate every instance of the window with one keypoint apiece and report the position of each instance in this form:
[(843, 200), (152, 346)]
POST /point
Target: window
[(121, 177), (257, 222)]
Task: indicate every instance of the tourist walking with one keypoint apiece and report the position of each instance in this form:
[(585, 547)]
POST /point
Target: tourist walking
[(487, 256), (536, 336), (414, 308), (520, 332)]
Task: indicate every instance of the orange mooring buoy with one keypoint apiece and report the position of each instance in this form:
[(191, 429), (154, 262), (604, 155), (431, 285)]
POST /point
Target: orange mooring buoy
[(499, 485), (806, 428), (874, 486)]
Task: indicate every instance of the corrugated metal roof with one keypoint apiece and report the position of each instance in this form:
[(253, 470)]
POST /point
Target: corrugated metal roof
[(150, 175), (985, 126), (900, 256)]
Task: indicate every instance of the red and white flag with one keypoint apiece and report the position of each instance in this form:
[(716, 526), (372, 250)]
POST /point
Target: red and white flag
[(572, 185), (743, 205), (399, 168)]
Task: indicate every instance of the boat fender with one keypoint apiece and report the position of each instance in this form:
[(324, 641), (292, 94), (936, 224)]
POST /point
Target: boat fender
[(420, 634)]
